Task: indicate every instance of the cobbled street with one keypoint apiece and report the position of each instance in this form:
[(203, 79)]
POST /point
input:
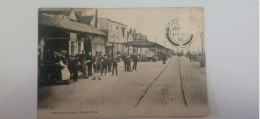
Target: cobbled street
[(179, 84)]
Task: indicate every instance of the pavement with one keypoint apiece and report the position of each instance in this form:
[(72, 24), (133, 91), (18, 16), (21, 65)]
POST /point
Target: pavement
[(177, 88)]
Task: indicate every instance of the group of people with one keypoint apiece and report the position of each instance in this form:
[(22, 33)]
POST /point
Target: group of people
[(83, 63), (105, 63), (58, 62), (127, 62)]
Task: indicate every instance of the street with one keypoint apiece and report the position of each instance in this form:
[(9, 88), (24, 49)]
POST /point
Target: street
[(179, 85)]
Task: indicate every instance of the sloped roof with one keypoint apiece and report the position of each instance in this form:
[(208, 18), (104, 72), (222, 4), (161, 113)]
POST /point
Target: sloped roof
[(60, 22), (111, 21), (143, 43)]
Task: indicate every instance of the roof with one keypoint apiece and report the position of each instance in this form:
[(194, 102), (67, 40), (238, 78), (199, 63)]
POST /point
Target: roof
[(112, 21), (142, 43), (60, 22)]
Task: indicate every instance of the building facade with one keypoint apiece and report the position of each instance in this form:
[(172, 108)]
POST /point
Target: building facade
[(61, 30), (116, 34)]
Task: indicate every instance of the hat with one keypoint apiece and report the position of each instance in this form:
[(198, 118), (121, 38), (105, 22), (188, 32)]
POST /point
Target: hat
[(97, 52), (63, 51)]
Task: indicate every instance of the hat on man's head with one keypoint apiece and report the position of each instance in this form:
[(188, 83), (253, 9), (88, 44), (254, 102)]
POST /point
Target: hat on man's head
[(97, 52), (63, 51)]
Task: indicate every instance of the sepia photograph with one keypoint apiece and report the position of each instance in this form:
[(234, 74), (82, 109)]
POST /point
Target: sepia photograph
[(121, 62)]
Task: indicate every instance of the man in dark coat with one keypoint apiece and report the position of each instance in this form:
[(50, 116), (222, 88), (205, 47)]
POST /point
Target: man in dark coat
[(75, 65), (82, 60), (164, 57), (104, 65), (115, 61), (55, 67), (128, 62), (109, 58), (135, 60)]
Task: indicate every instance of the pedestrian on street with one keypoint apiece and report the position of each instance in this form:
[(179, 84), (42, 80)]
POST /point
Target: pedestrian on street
[(115, 64), (104, 65), (109, 58), (125, 61), (89, 63), (135, 60), (75, 65), (97, 65), (100, 54), (164, 57), (195, 57), (55, 70), (128, 63), (82, 60)]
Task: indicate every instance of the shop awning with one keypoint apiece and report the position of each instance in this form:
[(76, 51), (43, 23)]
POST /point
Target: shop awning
[(142, 44), (60, 22)]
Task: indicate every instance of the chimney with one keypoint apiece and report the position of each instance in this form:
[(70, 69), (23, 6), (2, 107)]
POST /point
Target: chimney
[(96, 18)]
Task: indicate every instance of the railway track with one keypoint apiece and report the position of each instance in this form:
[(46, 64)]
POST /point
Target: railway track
[(147, 88)]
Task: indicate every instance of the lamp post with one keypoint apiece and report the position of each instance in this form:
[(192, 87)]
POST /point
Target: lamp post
[(202, 62)]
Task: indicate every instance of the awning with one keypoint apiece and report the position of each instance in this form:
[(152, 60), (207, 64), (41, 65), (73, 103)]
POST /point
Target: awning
[(142, 44), (60, 22)]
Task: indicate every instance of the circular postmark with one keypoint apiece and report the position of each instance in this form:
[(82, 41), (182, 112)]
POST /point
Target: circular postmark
[(177, 34)]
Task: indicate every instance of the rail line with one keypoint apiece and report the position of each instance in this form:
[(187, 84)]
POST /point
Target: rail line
[(149, 86), (182, 86)]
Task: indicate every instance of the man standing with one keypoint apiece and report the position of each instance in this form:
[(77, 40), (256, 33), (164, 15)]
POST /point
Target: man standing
[(82, 60), (75, 64), (135, 60), (97, 65), (104, 65), (125, 61), (56, 67), (128, 63), (109, 58), (115, 61), (89, 63), (164, 57)]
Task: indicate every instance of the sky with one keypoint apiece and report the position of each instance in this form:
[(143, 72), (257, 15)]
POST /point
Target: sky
[(153, 21)]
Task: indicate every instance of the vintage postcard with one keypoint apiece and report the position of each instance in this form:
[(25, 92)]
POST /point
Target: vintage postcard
[(121, 62)]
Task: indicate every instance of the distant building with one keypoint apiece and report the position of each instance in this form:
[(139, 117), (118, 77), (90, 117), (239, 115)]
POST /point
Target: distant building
[(116, 34), (132, 35)]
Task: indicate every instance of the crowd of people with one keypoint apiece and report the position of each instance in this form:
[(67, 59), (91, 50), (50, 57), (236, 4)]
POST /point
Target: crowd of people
[(61, 67)]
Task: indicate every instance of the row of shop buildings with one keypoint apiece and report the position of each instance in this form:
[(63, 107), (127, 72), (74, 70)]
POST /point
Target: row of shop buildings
[(74, 31)]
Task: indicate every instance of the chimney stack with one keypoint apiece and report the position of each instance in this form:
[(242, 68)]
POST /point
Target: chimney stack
[(96, 18)]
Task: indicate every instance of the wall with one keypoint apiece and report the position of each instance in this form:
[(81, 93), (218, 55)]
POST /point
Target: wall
[(98, 44), (116, 34)]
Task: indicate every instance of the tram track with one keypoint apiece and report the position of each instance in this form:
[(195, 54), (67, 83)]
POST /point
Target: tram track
[(182, 86), (149, 86), (182, 90)]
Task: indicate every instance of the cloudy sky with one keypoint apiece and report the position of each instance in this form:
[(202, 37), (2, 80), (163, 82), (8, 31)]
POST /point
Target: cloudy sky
[(153, 21)]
